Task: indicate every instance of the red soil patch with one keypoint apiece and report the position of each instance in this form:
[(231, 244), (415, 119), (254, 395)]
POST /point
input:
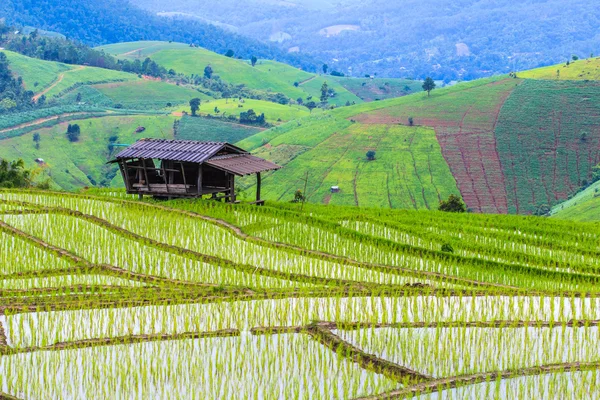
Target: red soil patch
[(468, 144)]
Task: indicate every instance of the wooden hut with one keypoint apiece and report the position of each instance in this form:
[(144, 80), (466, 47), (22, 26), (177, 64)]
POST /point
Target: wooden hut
[(184, 168)]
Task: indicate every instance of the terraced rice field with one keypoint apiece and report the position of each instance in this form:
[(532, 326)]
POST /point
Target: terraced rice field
[(103, 296)]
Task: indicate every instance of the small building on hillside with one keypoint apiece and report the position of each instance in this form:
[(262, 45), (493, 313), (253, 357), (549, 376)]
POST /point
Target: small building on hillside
[(185, 168)]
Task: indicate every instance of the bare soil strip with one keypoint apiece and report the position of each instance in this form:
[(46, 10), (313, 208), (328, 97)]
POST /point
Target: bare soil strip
[(124, 340), (465, 380), (367, 361)]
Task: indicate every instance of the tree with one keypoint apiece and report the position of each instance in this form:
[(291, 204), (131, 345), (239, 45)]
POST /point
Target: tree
[(300, 101), (596, 173), (411, 121), (73, 132), (428, 85), (78, 98), (195, 105), (253, 60), (311, 105), (325, 68), (41, 101), (575, 58), (371, 155), (324, 92), (217, 111), (230, 53), (208, 72), (453, 204), (13, 174), (36, 140), (298, 197)]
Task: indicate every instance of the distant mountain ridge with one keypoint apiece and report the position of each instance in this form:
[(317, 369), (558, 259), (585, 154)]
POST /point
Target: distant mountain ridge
[(113, 21), (465, 39)]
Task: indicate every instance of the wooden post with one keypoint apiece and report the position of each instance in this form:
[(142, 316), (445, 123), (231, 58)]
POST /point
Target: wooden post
[(146, 173), (167, 180), (232, 188), (199, 179), (184, 180), (125, 173), (258, 182)]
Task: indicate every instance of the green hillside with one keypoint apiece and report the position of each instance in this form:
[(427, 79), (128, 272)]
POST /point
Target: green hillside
[(379, 88), (513, 145), (269, 76), (584, 207)]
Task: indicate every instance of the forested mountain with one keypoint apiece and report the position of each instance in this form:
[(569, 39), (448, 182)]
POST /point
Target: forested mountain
[(412, 38), (112, 21)]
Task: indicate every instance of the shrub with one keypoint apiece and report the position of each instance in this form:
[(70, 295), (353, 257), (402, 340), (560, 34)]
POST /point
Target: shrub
[(371, 155), (453, 204)]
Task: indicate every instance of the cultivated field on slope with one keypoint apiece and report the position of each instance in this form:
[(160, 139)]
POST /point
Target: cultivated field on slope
[(380, 88), (409, 170), (464, 119), (75, 165), (581, 70), (36, 74), (548, 136), (148, 94), (275, 113), (201, 299), (212, 129)]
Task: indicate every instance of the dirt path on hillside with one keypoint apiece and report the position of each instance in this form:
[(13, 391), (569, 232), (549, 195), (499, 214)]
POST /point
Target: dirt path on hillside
[(41, 121), (307, 80), (56, 82)]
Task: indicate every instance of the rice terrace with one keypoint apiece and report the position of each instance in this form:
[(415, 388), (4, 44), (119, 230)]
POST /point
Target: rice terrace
[(106, 296), (300, 199)]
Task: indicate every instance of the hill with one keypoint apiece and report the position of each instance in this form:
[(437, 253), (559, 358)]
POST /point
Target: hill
[(267, 76), (513, 144), (584, 207), (323, 302)]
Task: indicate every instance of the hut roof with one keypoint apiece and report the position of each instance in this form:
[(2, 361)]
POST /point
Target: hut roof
[(236, 160), (242, 164), (176, 150)]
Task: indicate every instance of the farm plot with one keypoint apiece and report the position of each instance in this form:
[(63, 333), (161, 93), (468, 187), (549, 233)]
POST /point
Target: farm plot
[(408, 170), (103, 296), (147, 94), (548, 136), (377, 262), (212, 129), (464, 122), (217, 368)]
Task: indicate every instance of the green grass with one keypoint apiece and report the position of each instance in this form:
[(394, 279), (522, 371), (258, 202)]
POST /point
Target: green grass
[(380, 88), (409, 170), (267, 76), (36, 74), (212, 129), (584, 206), (146, 94), (74, 165), (141, 49), (588, 69), (274, 112), (86, 75)]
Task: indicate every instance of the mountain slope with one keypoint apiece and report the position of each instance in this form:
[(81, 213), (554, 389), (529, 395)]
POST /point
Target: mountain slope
[(269, 76), (111, 21), (513, 145)]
